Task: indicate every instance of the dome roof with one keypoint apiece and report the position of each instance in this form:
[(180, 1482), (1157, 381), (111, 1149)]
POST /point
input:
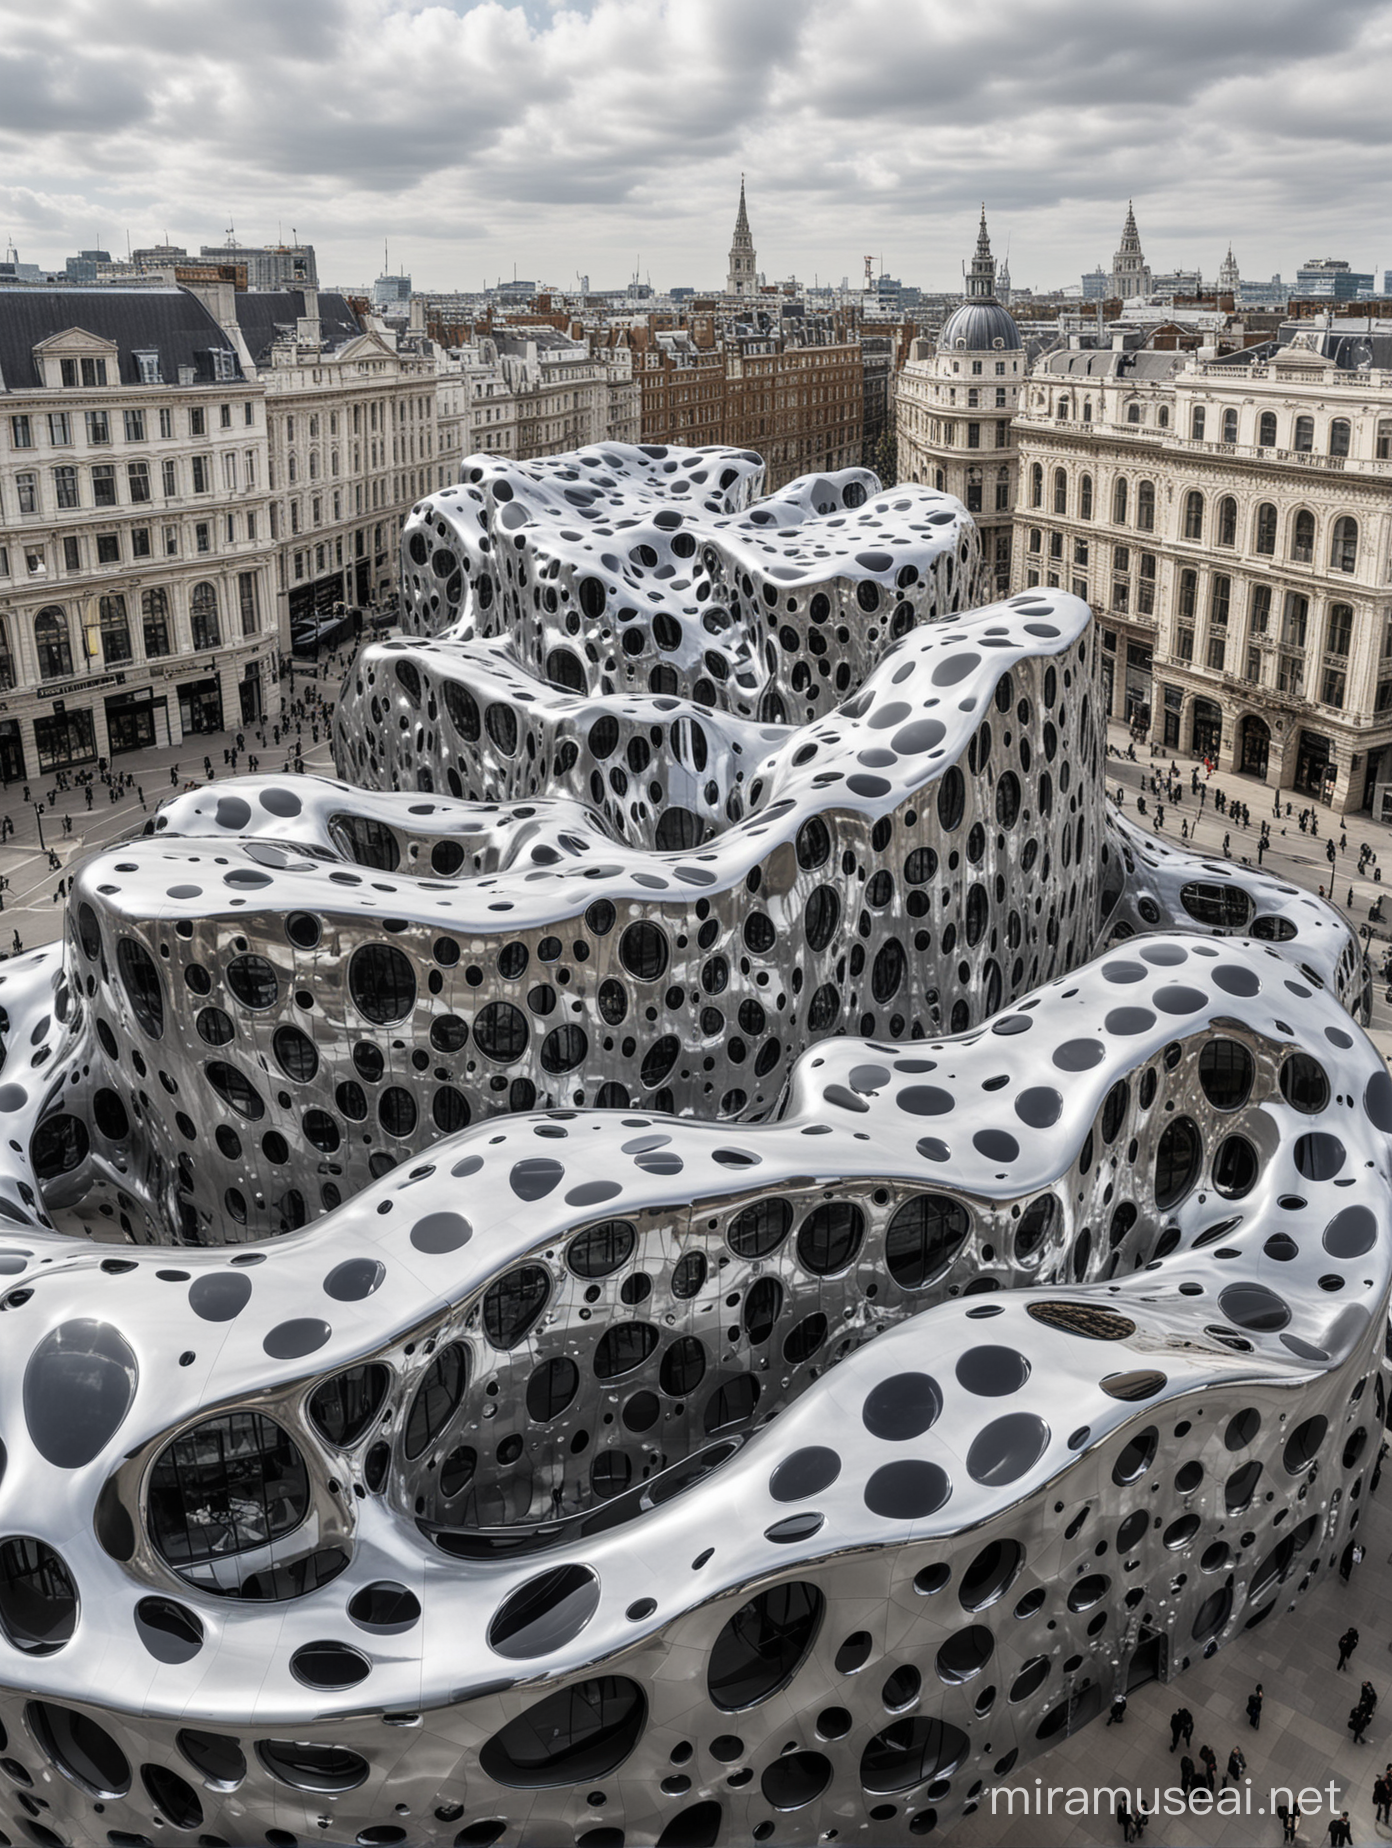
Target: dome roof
[(979, 327)]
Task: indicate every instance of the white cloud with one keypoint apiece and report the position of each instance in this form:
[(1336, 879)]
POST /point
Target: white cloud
[(565, 137)]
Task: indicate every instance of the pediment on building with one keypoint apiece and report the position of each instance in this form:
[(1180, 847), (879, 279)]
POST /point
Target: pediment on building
[(73, 341)]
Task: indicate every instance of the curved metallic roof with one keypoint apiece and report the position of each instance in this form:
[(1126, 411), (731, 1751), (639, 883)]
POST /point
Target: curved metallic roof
[(980, 326)]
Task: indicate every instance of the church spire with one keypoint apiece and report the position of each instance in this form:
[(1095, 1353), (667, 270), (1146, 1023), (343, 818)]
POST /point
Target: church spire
[(981, 277), (742, 278), (1130, 272)]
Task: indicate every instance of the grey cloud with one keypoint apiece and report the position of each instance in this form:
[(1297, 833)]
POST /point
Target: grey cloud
[(582, 133)]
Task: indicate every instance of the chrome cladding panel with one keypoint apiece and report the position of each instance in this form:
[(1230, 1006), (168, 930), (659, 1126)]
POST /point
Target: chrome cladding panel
[(331, 979), (572, 1460), (1169, 887), (780, 1341), (634, 569)]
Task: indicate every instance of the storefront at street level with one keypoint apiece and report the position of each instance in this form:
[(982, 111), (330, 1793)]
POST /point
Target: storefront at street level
[(200, 705), (136, 720)]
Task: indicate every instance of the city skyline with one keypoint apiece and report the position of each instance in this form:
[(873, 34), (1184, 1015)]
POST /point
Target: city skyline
[(608, 139)]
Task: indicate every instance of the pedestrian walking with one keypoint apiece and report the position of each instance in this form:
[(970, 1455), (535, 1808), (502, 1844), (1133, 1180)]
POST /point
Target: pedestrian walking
[(1118, 1712), (1358, 1723), (1188, 1776), (1346, 1563), (1123, 1816), (1348, 1642), (1177, 1719), (1254, 1707), (1382, 1796), (1237, 1766), (1209, 1759)]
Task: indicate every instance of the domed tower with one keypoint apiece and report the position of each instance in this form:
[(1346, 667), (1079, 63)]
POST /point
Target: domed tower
[(955, 405), (743, 278)]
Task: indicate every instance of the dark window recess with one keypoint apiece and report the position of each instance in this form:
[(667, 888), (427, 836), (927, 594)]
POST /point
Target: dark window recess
[(763, 1645), (343, 1407), (439, 1392), (923, 1237), (601, 1249), (231, 1484), (513, 1303), (830, 1237), (574, 1736)]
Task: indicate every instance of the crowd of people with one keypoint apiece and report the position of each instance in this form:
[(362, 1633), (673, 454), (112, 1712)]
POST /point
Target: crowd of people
[(305, 718)]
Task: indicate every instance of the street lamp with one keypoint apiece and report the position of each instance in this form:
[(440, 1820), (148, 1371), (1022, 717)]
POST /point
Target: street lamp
[(38, 817)]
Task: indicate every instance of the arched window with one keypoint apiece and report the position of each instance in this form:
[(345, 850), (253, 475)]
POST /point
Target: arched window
[(1303, 537), (115, 630), (291, 469), (1164, 418), (1063, 407), (1266, 529), (314, 464), (1266, 430), (1087, 410), (1229, 426), (1339, 630), (1133, 413), (1037, 485), (1193, 514), (154, 617), (1036, 539), (1227, 521), (51, 640), (1343, 547), (1060, 491), (1188, 594), (1339, 437), (1085, 498), (1304, 434), (203, 611), (1119, 502), (1197, 420), (1145, 506)]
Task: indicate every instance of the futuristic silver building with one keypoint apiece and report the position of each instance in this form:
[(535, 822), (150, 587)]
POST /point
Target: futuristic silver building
[(669, 1429)]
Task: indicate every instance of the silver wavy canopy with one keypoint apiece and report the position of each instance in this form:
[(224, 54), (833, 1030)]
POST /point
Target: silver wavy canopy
[(708, 1246)]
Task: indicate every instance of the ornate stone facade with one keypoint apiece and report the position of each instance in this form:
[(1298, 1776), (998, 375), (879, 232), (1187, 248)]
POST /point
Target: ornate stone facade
[(1130, 271), (955, 401), (1231, 522)]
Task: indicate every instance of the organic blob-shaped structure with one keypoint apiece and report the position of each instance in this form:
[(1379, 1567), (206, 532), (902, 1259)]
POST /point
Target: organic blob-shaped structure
[(794, 1315)]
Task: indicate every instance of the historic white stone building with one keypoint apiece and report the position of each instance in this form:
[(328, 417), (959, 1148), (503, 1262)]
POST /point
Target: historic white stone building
[(533, 391), (137, 598), (1231, 522), (350, 417), (955, 400)]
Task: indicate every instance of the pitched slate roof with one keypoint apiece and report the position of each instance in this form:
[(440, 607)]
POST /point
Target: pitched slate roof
[(169, 321), (266, 314)]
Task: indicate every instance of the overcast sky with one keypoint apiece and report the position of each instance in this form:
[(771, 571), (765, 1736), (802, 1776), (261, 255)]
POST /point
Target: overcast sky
[(609, 136)]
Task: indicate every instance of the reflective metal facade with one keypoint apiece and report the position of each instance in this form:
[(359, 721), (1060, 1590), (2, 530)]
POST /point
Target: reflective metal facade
[(684, 1469)]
